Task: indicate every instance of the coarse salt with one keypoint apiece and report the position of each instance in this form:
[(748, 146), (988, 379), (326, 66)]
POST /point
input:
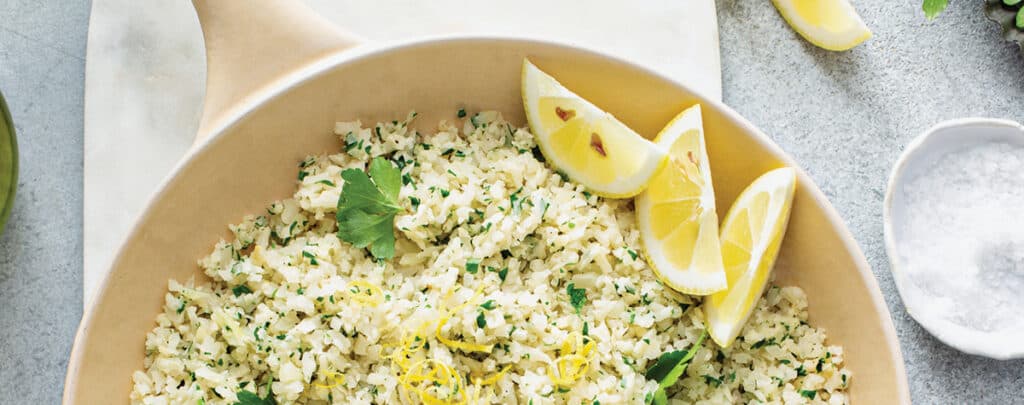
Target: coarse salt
[(961, 238)]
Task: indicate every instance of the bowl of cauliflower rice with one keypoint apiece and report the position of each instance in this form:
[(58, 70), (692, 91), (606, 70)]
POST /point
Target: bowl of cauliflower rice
[(387, 225)]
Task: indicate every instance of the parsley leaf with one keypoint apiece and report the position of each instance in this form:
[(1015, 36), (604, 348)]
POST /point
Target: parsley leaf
[(246, 397), (367, 207), (241, 289), (933, 8), (669, 367), (577, 296)]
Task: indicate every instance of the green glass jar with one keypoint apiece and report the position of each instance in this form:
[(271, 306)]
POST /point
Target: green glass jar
[(8, 163)]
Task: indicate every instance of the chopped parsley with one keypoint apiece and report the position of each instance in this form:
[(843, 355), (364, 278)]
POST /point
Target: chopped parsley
[(809, 394), (481, 321), (488, 305), (712, 380), (472, 265), (764, 342), (310, 256), (237, 290), (367, 207), (577, 296), (462, 113)]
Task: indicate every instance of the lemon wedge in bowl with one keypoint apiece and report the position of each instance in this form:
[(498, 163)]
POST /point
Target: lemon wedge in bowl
[(676, 214), (829, 24), (584, 142), (751, 235)]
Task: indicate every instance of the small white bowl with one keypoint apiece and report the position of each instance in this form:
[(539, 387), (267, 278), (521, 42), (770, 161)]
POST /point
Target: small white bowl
[(922, 151)]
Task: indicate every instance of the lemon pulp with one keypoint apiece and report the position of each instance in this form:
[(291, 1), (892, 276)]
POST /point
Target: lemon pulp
[(751, 235), (829, 24), (676, 214), (589, 145)]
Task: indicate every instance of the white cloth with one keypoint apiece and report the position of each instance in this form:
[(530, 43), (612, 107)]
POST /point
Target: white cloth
[(145, 75)]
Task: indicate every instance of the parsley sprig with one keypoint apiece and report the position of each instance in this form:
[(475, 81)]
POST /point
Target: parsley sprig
[(669, 367), (367, 207), (251, 398)]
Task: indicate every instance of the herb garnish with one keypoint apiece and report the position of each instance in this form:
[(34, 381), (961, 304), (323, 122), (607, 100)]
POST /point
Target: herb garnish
[(577, 296), (246, 397), (472, 265), (241, 289), (669, 367), (367, 207)]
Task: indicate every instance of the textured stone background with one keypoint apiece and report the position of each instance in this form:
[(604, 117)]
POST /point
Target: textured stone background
[(845, 117)]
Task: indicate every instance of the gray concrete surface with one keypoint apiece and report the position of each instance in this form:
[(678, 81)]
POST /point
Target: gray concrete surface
[(845, 117), (42, 51)]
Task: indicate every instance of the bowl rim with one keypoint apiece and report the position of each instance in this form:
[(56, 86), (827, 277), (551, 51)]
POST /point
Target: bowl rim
[(945, 332), (312, 71), (10, 137)]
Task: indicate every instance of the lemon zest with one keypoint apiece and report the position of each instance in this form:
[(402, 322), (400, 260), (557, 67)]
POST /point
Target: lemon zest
[(407, 345), (366, 293), (572, 364), (336, 380), (426, 377), (493, 379), (433, 382), (455, 344)]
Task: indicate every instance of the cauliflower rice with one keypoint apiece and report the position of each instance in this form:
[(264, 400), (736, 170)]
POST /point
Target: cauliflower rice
[(489, 242)]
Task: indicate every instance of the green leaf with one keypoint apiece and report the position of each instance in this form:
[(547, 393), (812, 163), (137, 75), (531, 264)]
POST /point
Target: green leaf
[(246, 397), (669, 367), (933, 8), (367, 207), (660, 397), (664, 366), (387, 178)]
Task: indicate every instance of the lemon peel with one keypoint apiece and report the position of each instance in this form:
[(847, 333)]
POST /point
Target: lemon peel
[(435, 383), (335, 378), (365, 293), (455, 344), (573, 364)]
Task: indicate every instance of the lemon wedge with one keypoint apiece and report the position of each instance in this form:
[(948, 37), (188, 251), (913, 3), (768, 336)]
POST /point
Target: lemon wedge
[(584, 142), (829, 24), (676, 214), (751, 235)]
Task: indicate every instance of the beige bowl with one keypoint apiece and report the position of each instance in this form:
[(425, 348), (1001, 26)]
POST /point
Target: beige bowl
[(280, 77)]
